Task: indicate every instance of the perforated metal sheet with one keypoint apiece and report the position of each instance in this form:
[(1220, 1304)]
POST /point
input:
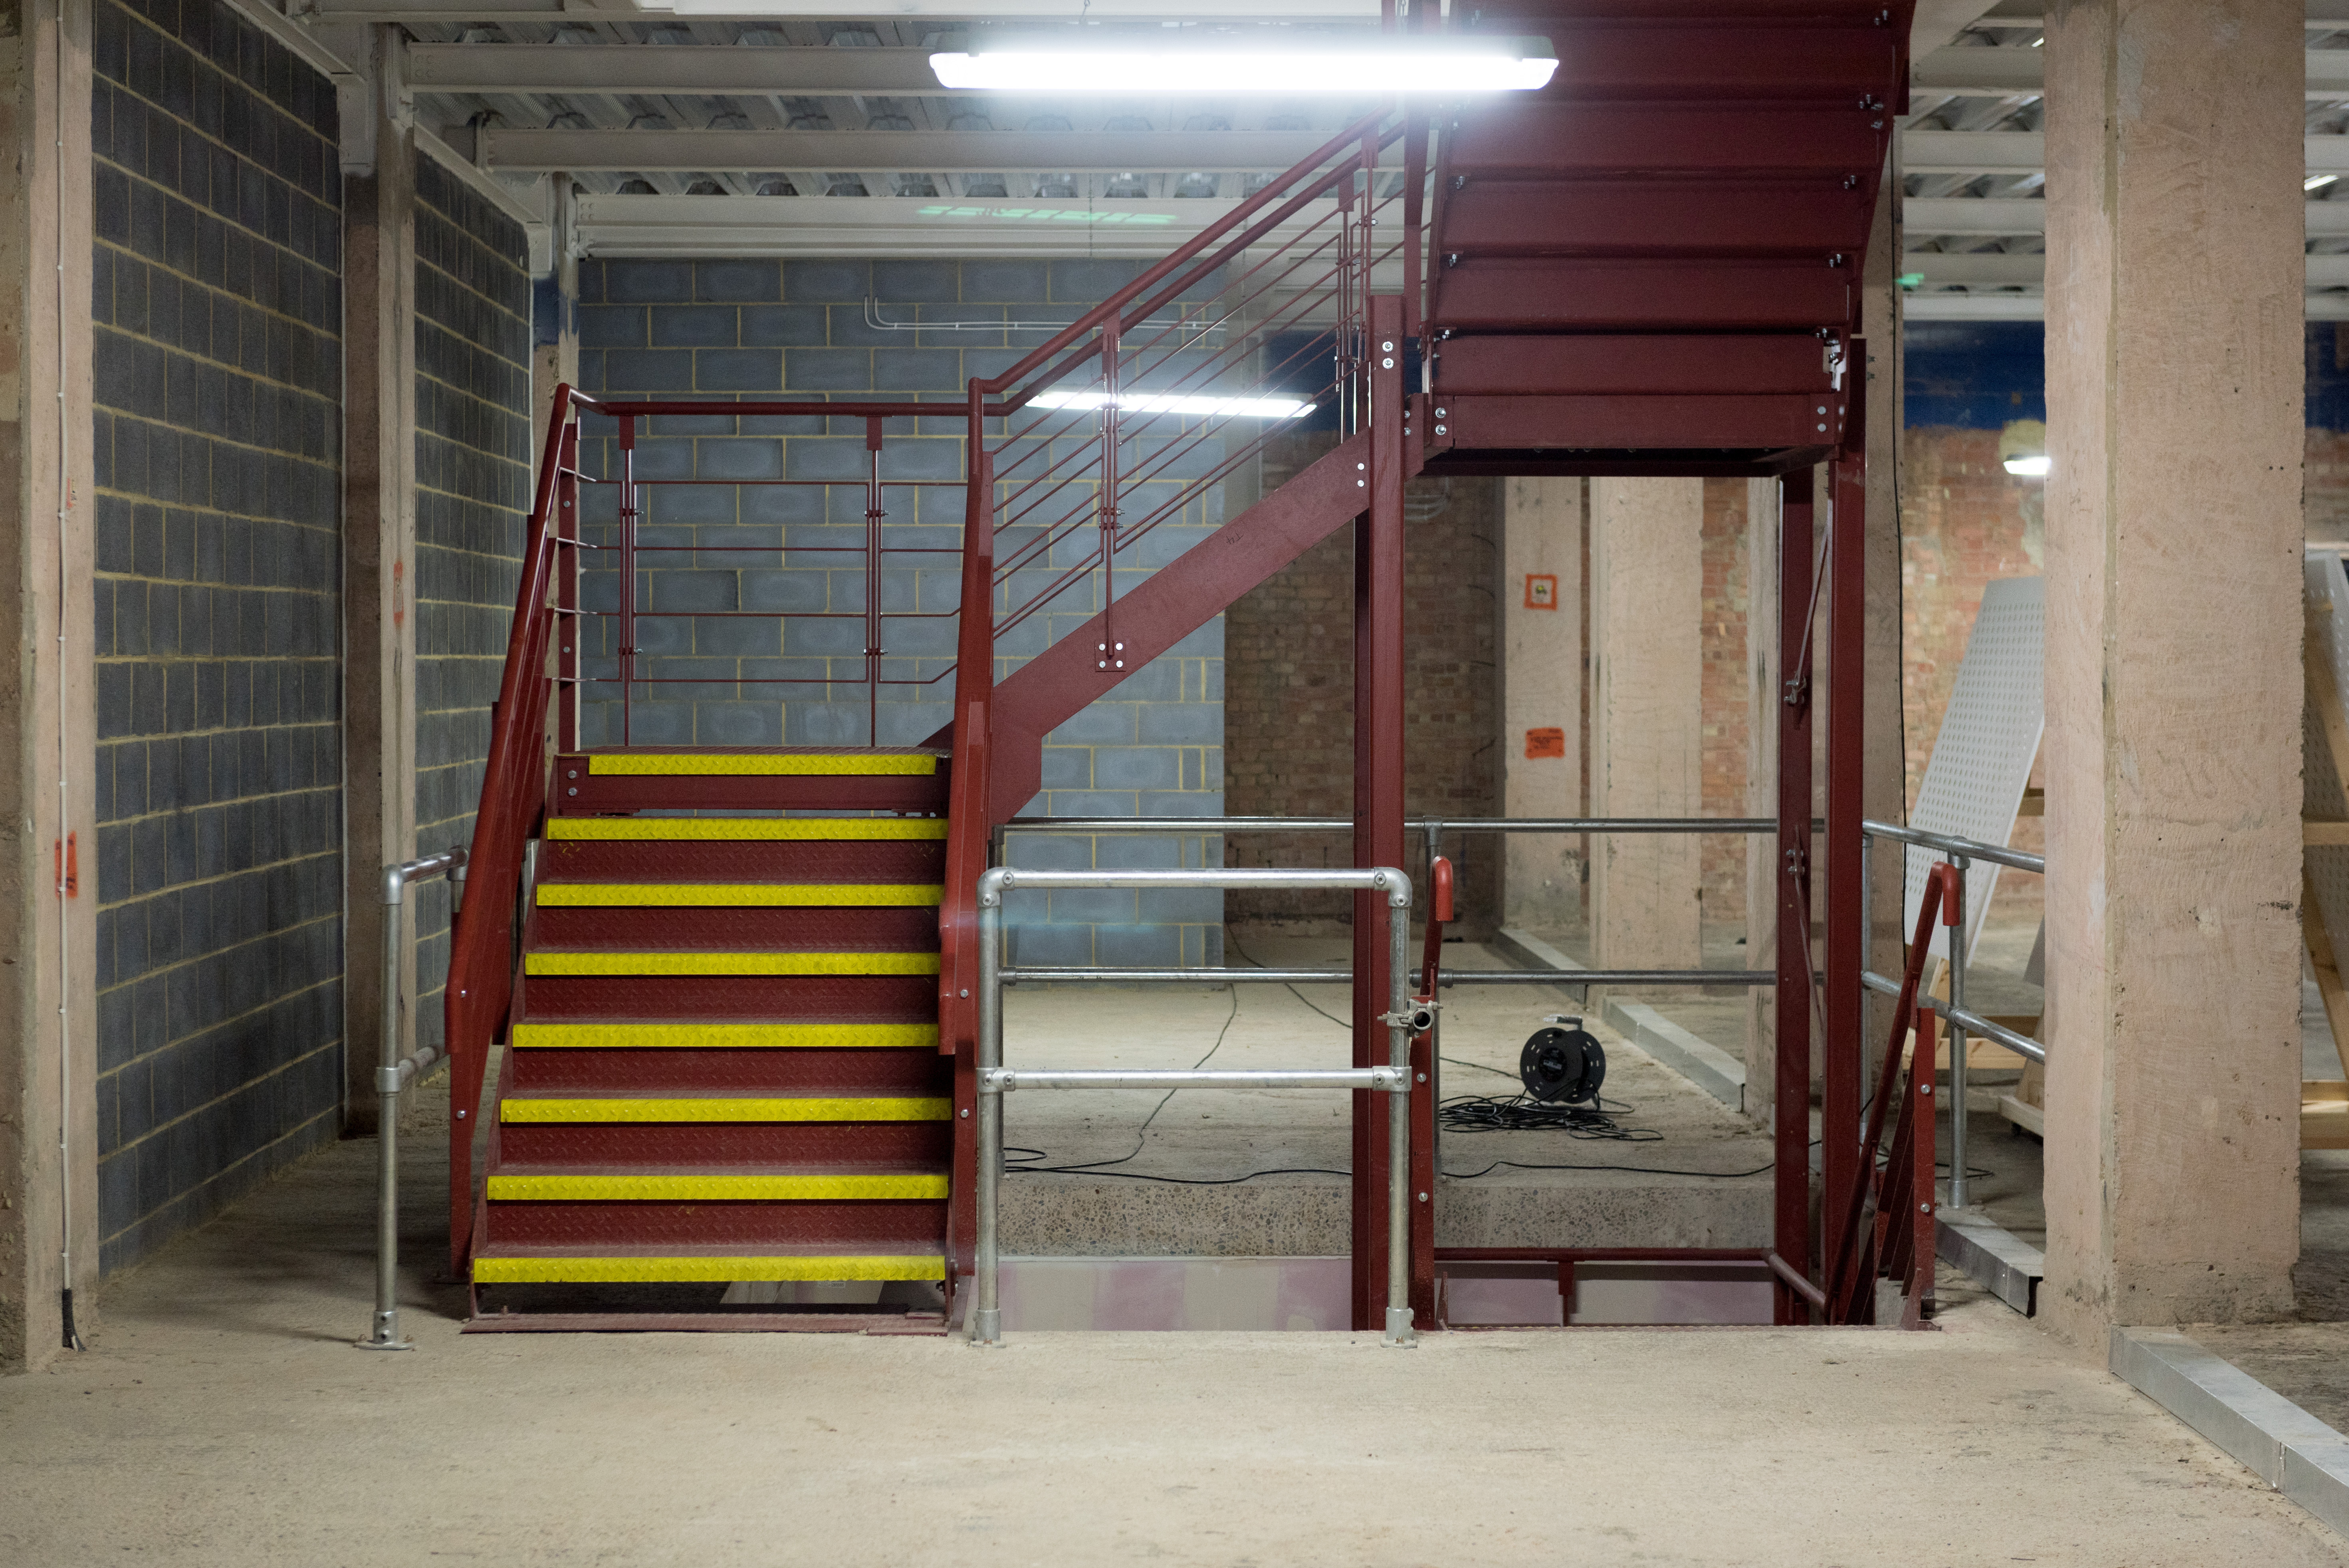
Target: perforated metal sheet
[(1982, 758), (2321, 792)]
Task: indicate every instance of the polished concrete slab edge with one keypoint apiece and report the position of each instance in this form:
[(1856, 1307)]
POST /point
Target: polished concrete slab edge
[(2285, 1446), (1708, 1067), (2001, 1262), (1699, 1061), (1531, 951)]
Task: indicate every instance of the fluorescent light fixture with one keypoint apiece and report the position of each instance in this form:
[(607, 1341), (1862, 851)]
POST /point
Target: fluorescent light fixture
[(1133, 64), (1171, 403), (2028, 468), (2318, 182)]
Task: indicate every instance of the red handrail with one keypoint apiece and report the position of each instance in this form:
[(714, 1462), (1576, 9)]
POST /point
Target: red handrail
[(513, 793), (1845, 1293)]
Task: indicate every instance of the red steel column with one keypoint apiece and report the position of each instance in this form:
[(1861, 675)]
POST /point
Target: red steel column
[(1378, 781), (1792, 1147), (1846, 639)]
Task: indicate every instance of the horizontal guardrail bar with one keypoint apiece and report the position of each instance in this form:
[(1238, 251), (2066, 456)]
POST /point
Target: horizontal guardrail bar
[(1972, 1023), (1419, 824), (1975, 1024), (1610, 977), (1012, 974), (1012, 879), (1003, 1081), (1972, 848)]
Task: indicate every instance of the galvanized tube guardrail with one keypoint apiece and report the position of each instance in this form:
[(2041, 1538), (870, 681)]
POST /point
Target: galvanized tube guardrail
[(394, 1071), (1960, 853), (1401, 1020)]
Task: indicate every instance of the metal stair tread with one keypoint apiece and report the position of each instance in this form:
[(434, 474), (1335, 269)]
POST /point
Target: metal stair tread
[(697, 895), (623, 1263), (518, 1184), (654, 961), (748, 829), (592, 1109), (598, 1034)]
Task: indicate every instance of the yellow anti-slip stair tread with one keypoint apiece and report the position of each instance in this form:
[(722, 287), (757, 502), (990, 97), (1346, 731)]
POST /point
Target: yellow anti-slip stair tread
[(707, 764), (710, 1189), (730, 964), (824, 895), (726, 1037), (704, 1270), (745, 828), (684, 1107)]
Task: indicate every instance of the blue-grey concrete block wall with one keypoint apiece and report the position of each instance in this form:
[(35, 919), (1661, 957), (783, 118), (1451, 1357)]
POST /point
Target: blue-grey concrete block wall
[(473, 473), (217, 313), (742, 329)]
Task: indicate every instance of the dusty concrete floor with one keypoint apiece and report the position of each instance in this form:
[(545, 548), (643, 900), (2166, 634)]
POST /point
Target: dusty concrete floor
[(221, 1417), (1680, 1188)]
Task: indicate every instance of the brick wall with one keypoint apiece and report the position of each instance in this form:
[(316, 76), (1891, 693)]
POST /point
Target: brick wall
[(217, 312), (1289, 693), (744, 329), (474, 474)]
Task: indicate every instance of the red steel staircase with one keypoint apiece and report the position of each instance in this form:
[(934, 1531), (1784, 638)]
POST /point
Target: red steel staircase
[(723, 1063), (735, 986)]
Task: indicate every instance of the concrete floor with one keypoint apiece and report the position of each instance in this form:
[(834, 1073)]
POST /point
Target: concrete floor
[(1596, 1194), (221, 1417)]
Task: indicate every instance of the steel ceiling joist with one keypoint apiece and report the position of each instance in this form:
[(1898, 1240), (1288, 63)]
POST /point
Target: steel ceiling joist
[(697, 68), (2004, 72), (936, 152), (2026, 153)]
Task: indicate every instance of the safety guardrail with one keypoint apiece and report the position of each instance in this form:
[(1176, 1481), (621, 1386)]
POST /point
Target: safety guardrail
[(394, 1071), (1403, 1018), (1960, 853)]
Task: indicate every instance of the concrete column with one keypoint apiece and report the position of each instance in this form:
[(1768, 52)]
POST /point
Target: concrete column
[(378, 556), (1762, 700), (1541, 698), (1884, 780), (49, 1051), (1647, 595), (2175, 424), (554, 315)]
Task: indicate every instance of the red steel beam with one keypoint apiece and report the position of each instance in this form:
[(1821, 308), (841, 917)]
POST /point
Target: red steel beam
[(1848, 654), (1616, 365), (1512, 293), (1378, 784), (1792, 1150), (1554, 140), (1510, 217), (1522, 421)]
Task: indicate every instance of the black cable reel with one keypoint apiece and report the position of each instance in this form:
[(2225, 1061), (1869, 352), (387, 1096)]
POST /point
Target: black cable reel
[(1563, 1065)]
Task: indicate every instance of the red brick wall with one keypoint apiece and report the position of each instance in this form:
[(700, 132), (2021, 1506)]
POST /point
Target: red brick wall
[(2327, 484), (1288, 684)]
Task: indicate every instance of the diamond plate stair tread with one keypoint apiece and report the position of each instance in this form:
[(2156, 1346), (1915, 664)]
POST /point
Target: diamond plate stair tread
[(618, 1035), (495, 1265), (757, 928), (732, 1187), (735, 999), (915, 1072), (644, 763), (794, 830), (657, 963), (739, 1146), (741, 860), (596, 1110), (811, 895)]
